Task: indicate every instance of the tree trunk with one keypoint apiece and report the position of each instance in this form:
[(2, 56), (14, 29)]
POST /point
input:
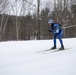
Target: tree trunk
[(38, 23)]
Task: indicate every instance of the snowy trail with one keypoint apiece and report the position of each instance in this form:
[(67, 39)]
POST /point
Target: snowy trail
[(20, 58)]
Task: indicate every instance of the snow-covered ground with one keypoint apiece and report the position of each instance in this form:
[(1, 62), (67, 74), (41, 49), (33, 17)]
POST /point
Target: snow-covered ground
[(25, 58)]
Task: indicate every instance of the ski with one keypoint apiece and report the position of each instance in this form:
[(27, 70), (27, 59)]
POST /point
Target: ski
[(51, 50), (56, 50), (46, 50), (62, 49)]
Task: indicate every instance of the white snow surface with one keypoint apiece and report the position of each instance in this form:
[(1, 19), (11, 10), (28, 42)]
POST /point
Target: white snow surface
[(26, 58)]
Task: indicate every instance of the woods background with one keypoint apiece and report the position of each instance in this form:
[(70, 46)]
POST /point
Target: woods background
[(27, 19)]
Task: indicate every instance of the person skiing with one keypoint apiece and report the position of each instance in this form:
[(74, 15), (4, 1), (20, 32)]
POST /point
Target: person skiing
[(57, 30)]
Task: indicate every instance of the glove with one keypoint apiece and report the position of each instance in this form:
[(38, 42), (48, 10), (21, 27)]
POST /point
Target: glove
[(50, 30)]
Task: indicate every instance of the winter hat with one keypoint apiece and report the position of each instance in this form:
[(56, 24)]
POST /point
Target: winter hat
[(50, 21)]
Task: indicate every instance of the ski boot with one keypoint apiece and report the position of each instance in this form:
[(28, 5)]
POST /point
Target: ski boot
[(54, 47), (61, 48)]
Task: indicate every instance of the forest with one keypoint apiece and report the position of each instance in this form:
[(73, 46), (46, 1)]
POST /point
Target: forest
[(27, 19)]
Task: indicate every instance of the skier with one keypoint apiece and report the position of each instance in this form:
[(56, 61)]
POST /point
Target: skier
[(57, 30)]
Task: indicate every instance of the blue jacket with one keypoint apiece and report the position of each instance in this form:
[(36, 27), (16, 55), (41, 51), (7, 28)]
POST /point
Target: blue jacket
[(56, 28)]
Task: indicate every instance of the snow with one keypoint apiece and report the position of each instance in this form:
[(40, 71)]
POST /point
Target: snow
[(25, 58)]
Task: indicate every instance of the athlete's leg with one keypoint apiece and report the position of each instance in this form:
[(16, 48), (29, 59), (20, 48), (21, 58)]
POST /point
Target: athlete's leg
[(55, 36), (60, 39)]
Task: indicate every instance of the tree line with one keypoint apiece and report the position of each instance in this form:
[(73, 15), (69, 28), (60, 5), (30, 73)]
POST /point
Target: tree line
[(27, 26)]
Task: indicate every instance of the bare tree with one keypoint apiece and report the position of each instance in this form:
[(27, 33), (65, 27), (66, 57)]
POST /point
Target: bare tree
[(3, 6), (21, 8), (16, 9), (38, 22)]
